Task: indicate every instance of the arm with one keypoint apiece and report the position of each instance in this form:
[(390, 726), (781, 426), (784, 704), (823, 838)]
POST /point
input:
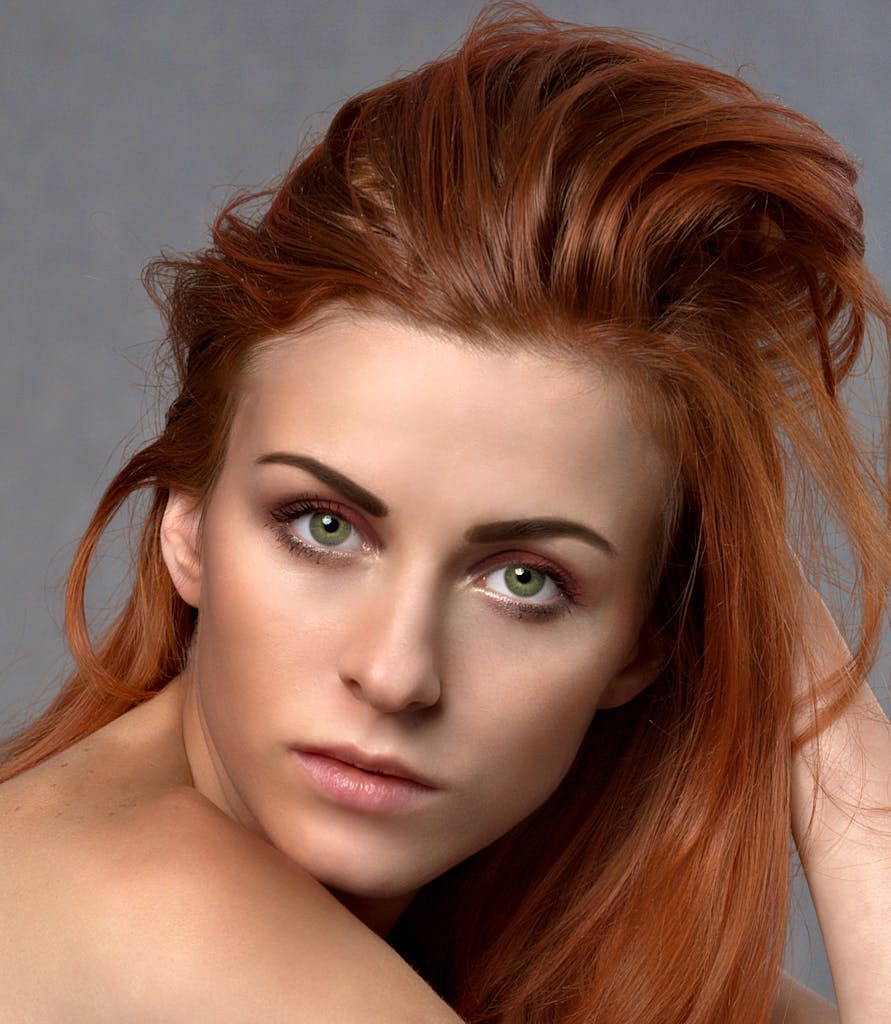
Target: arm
[(797, 1004), (202, 921), (843, 776)]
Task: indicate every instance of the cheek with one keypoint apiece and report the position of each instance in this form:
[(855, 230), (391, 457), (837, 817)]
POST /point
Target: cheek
[(523, 761), (529, 715), (257, 599), (259, 633)]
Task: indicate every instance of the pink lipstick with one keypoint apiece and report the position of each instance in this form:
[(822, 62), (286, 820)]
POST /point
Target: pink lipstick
[(362, 782)]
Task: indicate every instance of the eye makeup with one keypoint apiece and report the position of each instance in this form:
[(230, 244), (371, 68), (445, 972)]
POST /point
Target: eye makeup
[(566, 594), (284, 516)]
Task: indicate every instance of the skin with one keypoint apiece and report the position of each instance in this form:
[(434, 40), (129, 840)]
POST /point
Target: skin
[(841, 821), (404, 640), (142, 864)]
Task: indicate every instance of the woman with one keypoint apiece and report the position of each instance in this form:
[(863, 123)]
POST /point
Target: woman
[(466, 613)]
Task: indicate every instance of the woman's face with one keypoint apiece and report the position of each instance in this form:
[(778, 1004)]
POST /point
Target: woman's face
[(422, 570)]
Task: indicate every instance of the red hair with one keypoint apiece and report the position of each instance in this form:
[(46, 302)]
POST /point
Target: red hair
[(569, 187)]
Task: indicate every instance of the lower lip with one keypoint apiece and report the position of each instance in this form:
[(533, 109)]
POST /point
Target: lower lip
[(350, 786)]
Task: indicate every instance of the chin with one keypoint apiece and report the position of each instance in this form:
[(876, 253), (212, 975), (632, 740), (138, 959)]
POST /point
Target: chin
[(358, 869), (370, 882)]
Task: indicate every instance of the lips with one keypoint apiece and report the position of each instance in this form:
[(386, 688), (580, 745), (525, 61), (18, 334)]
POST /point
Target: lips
[(364, 783), (385, 767)]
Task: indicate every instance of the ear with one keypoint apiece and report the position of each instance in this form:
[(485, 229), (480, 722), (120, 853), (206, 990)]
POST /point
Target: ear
[(179, 545), (647, 660)]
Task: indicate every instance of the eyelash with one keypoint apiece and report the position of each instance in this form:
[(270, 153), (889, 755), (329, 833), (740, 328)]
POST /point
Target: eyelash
[(568, 592), (284, 516)]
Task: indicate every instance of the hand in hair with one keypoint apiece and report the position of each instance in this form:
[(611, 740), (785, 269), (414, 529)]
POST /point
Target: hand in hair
[(841, 818)]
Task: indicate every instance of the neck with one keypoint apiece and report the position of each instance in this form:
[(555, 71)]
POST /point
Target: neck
[(377, 913)]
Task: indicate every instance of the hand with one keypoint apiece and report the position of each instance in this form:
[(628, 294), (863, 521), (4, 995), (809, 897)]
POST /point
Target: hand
[(841, 815)]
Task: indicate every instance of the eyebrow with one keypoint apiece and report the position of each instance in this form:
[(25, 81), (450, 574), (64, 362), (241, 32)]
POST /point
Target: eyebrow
[(367, 501), (538, 529), (488, 533)]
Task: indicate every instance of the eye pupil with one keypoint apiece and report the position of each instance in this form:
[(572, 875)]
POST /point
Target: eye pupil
[(329, 524)]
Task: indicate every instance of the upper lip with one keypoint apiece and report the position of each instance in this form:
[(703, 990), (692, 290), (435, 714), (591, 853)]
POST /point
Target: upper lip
[(380, 764)]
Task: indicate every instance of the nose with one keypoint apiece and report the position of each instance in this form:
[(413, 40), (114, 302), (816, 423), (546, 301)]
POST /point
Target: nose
[(389, 659)]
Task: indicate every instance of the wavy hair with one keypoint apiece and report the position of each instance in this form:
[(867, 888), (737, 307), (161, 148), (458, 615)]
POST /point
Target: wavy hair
[(572, 187)]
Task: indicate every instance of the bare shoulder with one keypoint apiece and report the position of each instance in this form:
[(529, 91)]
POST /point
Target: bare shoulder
[(797, 1004), (211, 923), (131, 897)]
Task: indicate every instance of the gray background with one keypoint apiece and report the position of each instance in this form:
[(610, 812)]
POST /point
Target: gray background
[(121, 124)]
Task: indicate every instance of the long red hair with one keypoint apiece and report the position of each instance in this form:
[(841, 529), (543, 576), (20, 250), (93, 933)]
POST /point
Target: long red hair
[(584, 189)]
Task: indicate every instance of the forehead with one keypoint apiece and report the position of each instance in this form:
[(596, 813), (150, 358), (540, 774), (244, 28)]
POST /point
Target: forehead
[(399, 406)]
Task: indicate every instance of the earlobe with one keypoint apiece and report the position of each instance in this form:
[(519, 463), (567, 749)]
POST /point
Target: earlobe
[(648, 660), (179, 545)]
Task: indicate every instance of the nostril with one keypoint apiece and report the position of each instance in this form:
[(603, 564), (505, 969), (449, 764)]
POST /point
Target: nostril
[(394, 692)]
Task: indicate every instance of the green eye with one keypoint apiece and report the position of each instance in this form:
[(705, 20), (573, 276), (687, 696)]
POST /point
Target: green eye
[(524, 581), (525, 586), (328, 529)]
